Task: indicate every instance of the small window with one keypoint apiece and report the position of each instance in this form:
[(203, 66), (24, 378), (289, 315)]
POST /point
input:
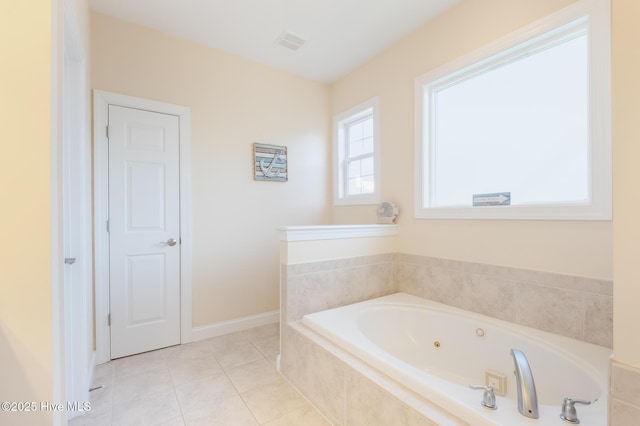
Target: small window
[(519, 129), (356, 175)]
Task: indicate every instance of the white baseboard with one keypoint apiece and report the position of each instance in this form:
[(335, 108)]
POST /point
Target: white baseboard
[(232, 326)]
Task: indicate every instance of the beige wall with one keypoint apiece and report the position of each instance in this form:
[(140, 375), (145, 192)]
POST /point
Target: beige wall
[(626, 177), (580, 248), (31, 343), (234, 103), (25, 218)]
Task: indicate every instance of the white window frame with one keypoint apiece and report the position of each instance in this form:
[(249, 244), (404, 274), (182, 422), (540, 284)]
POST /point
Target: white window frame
[(599, 208), (340, 196)]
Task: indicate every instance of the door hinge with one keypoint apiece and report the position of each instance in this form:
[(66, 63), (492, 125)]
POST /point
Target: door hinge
[(107, 131), (109, 320), (108, 227)]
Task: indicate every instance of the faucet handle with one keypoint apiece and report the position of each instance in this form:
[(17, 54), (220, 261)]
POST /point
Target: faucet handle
[(488, 398), (569, 413)]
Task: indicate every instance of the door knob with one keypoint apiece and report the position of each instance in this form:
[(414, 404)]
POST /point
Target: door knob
[(170, 242)]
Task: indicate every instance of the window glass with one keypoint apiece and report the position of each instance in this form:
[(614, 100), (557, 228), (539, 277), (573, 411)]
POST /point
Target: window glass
[(520, 128), (356, 163)]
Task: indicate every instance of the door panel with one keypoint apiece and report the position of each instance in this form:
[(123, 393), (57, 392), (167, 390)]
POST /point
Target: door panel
[(147, 305), (144, 203)]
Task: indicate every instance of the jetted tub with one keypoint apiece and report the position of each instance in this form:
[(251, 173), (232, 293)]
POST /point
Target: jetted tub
[(438, 351)]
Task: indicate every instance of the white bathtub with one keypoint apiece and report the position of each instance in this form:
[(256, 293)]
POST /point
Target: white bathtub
[(397, 335)]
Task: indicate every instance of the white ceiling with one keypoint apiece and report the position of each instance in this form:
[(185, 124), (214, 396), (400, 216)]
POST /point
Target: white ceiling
[(340, 34)]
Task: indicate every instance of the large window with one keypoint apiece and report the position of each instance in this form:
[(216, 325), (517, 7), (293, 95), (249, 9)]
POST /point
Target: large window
[(356, 155), (520, 128)]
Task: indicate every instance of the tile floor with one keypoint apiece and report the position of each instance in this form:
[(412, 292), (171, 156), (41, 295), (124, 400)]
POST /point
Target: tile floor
[(226, 380)]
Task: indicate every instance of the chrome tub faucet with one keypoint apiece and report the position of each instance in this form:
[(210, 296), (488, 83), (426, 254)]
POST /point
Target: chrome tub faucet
[(527, 396)]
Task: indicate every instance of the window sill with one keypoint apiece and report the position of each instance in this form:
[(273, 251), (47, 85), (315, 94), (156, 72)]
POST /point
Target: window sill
[(367, 200), (582, 212)]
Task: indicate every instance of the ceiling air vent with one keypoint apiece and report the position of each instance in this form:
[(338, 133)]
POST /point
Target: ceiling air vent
[(290, 41)]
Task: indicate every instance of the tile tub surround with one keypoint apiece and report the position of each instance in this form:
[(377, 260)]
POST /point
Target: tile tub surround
[(316, 286), (346, 390), (624, 395), (339, 385), (576, 307)]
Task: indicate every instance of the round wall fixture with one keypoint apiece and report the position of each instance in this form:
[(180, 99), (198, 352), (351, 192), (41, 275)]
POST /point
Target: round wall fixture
[(387, 212)]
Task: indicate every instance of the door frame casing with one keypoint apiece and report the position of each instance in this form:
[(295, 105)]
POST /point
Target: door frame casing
[(76, 217), (101, 101)]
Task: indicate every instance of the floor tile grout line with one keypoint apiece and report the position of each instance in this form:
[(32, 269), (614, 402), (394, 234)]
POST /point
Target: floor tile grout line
[(282, 414), (244, 402), (248, 408), (175, 394), (240, 394), (163, 362)]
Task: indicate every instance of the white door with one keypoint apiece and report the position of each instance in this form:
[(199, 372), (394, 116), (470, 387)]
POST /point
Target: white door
[(144, 230)]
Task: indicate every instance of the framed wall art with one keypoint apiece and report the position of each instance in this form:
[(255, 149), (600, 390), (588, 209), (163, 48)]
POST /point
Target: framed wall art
[(270, 162)]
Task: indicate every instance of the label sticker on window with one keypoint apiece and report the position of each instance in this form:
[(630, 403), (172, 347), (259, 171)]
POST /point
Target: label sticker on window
[(492, 199)]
